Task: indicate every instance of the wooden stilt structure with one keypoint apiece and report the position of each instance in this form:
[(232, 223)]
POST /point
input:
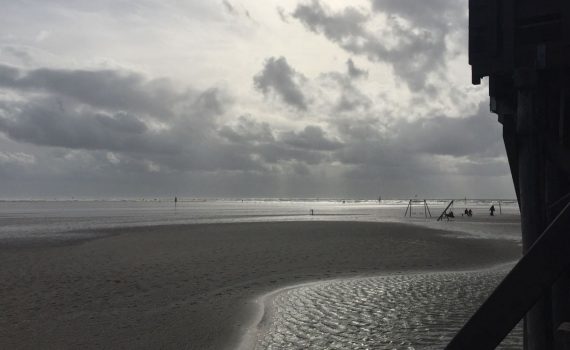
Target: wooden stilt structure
[(523, 46)]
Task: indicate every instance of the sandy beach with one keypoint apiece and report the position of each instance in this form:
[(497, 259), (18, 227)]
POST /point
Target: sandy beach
[(193, 286)]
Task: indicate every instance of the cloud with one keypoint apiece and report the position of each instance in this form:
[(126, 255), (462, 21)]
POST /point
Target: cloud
[(439, 14), (280, 78), (413, 45), (43, 35), (439, 145), (87, 114), (248, 131), (350, 98), (339, 27), (45, 122), (355, 72), (48, 112), (118, 90), (476, 135), (311, 138), (229, 7), (258, 139), (282, 14), (16, 158), (19, 54)]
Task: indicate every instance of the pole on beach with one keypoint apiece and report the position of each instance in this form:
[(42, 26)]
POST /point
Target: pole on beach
[(408, 207), (427, 207)]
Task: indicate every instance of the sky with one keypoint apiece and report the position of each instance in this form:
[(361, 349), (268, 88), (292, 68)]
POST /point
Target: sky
[(243, 98)]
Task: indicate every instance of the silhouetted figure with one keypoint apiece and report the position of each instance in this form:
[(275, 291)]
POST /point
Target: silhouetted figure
[(312, 212), (470, 213), (466, 212), (492, 210)]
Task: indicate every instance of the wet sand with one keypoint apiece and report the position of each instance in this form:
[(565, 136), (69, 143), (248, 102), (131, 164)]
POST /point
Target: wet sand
[(193, 286)]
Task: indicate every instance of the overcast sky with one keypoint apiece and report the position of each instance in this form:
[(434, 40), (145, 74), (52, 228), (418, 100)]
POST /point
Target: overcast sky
[(235, 98)]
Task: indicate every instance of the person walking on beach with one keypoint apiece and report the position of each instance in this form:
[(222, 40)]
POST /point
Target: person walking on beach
[(492, 210)]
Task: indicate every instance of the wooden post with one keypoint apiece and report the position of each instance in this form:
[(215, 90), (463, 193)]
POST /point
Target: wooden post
[(538, 327), (427, 207), (562, 336)]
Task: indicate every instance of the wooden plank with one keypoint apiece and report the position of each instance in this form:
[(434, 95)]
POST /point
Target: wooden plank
[(528, 281), (442, 213)]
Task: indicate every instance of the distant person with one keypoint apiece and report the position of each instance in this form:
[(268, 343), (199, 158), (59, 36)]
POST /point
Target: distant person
[(466, 212), (492, 210), (470, 213)]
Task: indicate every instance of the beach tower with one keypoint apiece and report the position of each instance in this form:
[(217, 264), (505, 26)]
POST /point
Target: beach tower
[(523, 47)]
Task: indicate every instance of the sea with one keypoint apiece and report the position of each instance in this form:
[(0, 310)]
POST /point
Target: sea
[(419, 310)]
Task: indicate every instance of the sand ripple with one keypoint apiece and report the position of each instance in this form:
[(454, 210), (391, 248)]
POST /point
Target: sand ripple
[(414, 311)]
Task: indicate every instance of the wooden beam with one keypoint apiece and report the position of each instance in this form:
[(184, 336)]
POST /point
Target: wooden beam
[(527, 282), (442, 213), (408, 207)]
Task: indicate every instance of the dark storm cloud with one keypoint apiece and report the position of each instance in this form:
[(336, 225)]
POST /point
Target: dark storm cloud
[(247, 131), (475, 135), (280, 78), (49, 123), (311, 145), (439, 145), (49, 112), (311, 138), (355, 72), (339, 27), (100, 88), (416, 47), (275, 153), (440, 14), (350, 99)]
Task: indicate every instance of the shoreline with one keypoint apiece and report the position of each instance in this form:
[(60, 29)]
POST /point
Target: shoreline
[(175, 286), (264, 311)]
